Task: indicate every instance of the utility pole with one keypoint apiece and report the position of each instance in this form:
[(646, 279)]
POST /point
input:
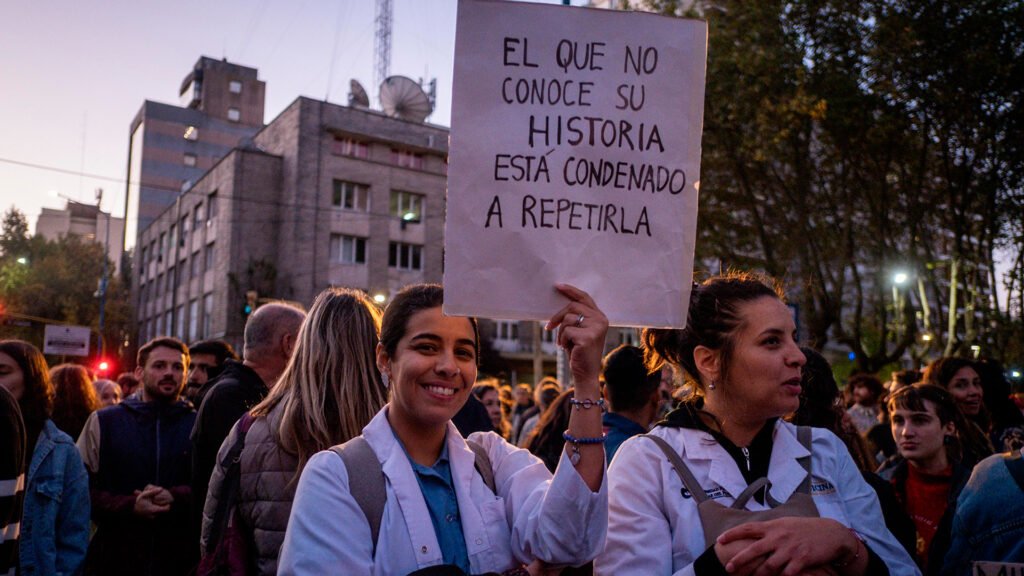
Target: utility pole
[(102, 292)]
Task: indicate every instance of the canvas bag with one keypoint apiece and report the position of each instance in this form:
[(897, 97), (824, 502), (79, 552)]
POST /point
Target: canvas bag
[(717, 518)]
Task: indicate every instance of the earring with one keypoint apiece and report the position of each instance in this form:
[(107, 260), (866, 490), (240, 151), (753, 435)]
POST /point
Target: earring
[(947, 439), (384, 378), (713, 385)]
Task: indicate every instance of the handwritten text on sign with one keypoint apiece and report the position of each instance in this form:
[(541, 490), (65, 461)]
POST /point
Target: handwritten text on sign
[(574, 157)]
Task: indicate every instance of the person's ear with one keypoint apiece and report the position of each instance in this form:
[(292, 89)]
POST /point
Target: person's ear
[(288, 344), (949, 429), (139, 371), (708, 363), (383, 361)]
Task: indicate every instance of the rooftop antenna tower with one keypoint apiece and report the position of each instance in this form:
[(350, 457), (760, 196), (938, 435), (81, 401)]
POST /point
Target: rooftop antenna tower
[(382, 18)]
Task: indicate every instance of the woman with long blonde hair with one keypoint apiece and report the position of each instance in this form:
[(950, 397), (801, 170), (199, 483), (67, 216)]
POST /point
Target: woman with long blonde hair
[(329, 391)]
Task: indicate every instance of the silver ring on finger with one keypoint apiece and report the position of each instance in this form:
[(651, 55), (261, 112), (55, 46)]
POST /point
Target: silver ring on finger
[(579, 321)]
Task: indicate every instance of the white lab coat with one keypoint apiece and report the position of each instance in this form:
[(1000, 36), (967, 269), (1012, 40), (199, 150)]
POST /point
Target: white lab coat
[(654, 525), (558, 520)]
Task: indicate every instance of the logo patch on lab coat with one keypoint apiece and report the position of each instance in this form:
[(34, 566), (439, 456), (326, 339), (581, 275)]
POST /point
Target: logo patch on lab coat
[(713, 493), (821, 487)]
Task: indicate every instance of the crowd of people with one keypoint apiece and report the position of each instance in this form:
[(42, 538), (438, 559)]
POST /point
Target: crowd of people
[(350, 440)]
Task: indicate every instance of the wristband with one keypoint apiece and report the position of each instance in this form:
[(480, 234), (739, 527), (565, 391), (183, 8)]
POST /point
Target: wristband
[(856, 551), (588, 404)]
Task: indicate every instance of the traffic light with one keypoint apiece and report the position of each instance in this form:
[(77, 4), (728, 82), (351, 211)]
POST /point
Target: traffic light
[(250, 303), (103, 368)]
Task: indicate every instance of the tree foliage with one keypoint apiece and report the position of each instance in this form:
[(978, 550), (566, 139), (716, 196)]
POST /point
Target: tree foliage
[(844, 140), (58, 281)]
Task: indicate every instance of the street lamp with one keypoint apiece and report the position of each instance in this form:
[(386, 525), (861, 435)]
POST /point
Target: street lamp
[(899, 278), (379, 298), (22, 260)]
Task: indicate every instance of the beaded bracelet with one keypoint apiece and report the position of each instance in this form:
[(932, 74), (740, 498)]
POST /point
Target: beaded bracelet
[(575, 456), (588, 404)]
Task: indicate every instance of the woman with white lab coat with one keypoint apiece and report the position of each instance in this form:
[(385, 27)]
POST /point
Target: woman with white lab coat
[(739, 352), (438, 508)]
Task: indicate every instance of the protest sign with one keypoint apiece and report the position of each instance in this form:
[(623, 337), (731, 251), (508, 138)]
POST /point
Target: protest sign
[(574, 157)]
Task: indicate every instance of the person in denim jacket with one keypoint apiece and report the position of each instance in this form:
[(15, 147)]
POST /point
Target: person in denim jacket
[(989, 521), (55, 517)]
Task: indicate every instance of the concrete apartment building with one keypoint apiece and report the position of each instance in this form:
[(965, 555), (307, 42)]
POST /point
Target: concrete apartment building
[(323, 195), (87, 222), (172, 146)]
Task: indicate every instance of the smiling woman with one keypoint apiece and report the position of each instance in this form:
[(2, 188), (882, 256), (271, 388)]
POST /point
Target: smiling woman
[(471, 506)]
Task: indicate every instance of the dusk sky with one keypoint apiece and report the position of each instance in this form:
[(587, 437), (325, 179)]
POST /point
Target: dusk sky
[(74, 74)]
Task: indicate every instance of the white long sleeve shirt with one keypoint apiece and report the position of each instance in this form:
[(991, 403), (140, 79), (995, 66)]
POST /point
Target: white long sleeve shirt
[(534, 515)]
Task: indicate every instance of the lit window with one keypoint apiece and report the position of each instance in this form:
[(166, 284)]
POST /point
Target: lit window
[(234, 115), (405, 256), (191, 133), (235, 87), (350, 196), (190, 159), (407, 205), (348, 249), (407, 159), (349, 147)]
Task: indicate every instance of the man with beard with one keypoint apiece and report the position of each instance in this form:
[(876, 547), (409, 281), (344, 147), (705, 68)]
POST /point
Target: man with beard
[(138, 455)]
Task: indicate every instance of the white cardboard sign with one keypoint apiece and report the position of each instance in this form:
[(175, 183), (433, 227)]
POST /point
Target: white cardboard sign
[(574, 157), (66, 340)]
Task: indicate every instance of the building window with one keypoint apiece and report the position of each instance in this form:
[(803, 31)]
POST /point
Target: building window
[(207, 315), (350, 196), (179, 323), (159, 329), (160, 247), (234, 115), (349, 147), (192, 133), (193, 320), (405, 256), (629, 337), (407, 159), (208, 255), (235, 87), (348, 249), (172, 278), (190, 159), (196, 263), (407, 205), (183, 225), (506, 330), (197, 220), (211, 208)]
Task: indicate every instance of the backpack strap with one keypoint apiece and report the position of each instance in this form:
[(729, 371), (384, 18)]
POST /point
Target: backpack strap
[(230, 484), (803, 434), (482, 463), (689, 480), (365, 481)]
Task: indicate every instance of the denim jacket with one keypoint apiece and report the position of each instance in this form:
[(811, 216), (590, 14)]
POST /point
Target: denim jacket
[(55, 521), (989, 521)]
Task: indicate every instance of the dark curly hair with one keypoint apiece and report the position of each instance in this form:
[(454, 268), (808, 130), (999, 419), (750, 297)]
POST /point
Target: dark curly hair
[(36, 402), (712, 321)]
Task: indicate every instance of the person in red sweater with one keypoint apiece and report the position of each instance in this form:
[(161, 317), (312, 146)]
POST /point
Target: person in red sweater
[(928, 473)]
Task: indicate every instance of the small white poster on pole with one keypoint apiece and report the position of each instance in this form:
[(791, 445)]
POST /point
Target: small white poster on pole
[(66, 340), (574, 157)]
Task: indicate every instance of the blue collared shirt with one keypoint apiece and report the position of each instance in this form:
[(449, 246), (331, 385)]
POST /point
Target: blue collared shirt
[(439, 493), (619, 429)]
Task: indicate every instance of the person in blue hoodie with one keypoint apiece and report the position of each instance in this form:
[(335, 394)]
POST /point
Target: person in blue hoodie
[(139, 458), (55, 515)]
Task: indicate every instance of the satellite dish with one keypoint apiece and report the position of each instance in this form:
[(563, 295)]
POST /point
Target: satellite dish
[(401, 97), (357, 94)]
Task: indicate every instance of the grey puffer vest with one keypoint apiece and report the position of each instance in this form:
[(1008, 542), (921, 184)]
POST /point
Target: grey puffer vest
[(266, 490)]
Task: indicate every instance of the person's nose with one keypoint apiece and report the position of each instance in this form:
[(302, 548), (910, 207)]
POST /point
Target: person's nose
[(446, 364)]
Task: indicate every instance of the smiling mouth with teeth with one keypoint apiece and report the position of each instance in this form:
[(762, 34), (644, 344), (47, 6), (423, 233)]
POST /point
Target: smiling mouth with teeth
[(440, 390)]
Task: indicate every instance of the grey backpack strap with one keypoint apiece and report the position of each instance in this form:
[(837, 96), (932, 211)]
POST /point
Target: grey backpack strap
[(482, 463), (803, 434), (365, 481), (741, 501), (689, 480)]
